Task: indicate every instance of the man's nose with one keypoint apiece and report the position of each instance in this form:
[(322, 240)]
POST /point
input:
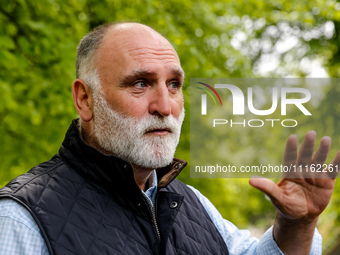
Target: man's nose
[(160, 101)]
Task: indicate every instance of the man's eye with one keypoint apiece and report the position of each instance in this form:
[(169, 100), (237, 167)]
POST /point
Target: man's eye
[(140, 84), (174, 85)]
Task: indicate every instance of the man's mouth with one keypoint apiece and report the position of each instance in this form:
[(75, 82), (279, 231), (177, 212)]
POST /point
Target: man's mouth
[(158, 131)]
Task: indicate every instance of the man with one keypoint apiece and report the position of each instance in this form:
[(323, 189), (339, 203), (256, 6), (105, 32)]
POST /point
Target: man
[(102, 195)]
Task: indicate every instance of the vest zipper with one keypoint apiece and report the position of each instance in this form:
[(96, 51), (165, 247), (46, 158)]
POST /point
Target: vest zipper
[(153, 212)]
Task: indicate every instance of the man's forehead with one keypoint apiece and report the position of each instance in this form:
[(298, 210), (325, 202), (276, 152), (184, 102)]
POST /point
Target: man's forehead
[(134, 53), (134, 37)]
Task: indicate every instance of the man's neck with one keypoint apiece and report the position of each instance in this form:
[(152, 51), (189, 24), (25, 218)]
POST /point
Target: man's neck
[(141, 175)]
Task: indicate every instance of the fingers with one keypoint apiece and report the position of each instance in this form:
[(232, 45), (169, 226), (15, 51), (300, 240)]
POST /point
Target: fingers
[(290, 151), (290, 156), (305, 158), (307, 149), (321, 153), (333, 167)]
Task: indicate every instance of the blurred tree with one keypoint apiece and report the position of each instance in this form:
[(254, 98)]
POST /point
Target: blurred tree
[(228, 38)]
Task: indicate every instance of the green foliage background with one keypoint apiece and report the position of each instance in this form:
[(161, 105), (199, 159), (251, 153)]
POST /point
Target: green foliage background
[(213, 39)]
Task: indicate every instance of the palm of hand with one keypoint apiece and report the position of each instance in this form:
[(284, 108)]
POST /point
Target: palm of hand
[(303, 199), (303, 194)]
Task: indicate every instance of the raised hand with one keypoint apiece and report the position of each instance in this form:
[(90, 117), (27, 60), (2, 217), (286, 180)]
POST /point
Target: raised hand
[(302, 194)]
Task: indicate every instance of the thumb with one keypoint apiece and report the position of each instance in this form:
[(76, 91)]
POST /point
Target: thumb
[(267, 186)]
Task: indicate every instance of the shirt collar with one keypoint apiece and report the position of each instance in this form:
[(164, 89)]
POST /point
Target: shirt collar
[(151, 191)]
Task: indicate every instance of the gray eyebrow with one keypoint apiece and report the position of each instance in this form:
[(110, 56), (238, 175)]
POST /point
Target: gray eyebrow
[(177, 71), (135, 73)]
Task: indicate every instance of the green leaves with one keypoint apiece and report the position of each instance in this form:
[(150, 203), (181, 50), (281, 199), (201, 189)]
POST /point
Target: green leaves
[(233, 38)]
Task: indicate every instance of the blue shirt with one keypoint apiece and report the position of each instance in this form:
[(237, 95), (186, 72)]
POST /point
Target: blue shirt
[(20, 235)]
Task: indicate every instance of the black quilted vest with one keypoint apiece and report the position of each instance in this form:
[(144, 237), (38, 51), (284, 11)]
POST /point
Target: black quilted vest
[(87, 203)]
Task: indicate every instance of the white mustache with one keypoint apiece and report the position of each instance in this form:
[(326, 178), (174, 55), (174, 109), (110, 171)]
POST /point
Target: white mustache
[(169, 123)]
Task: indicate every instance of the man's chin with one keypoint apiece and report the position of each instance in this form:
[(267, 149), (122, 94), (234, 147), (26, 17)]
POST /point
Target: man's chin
[(153, 164)]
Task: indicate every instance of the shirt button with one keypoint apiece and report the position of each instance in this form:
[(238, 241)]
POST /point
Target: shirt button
[(173, 205)]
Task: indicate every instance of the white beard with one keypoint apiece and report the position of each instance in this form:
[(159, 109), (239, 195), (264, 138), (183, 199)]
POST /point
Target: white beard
[(126, 136)]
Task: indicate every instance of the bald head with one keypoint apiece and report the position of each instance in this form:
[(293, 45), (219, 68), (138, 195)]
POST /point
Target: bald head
[(108, 38)]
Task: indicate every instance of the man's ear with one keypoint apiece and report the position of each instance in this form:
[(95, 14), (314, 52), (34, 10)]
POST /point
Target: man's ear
[(82, 97)]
